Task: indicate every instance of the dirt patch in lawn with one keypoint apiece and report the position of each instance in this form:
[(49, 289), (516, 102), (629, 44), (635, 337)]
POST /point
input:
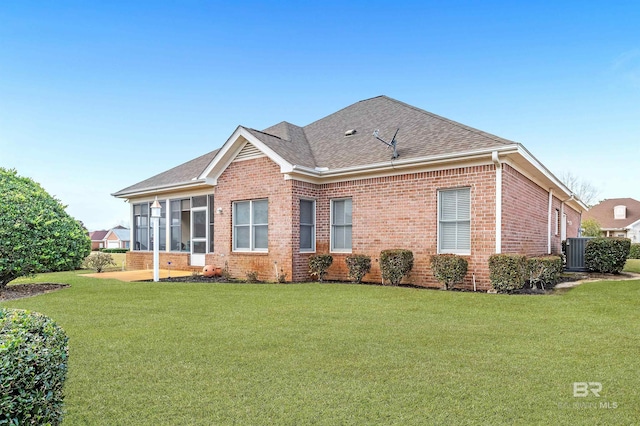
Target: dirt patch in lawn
[(19, 291)]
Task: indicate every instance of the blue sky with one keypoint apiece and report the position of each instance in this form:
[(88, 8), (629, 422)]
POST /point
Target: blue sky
[(96, 96)]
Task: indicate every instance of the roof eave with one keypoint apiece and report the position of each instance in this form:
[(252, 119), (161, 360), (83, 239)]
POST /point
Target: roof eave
[(194, 183)]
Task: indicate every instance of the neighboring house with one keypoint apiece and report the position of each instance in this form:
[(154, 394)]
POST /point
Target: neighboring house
[(97, 239), (118, 237), (268, 200), (618, 217)]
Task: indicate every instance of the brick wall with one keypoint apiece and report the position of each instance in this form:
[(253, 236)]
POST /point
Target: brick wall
[(525, 216), (401, 212), (144, 260), (254, 179)]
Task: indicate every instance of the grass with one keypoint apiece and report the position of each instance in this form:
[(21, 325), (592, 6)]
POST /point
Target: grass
[(327, 354), (632, 265)]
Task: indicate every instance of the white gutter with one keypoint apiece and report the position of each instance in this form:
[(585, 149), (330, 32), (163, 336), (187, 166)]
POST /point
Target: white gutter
[(549, 221), (164, 188), (496, 161), (396, 164)]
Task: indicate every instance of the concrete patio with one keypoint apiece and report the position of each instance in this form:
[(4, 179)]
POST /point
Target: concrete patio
[(139, 275)]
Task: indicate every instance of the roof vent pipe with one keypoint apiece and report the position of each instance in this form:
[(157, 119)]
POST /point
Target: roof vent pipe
[(350, 132)]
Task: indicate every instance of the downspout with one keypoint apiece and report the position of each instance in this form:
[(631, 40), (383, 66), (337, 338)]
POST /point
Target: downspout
[(496, 161), (549, 221)]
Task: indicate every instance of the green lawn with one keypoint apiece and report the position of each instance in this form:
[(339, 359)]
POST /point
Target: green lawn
[(329, 354), (632, 265)]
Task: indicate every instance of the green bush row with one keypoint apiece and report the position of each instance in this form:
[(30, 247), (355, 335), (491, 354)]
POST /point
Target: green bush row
[(394, 265), (606, 255), (33, 367), (634, 251), (510, 272), (114, 250)]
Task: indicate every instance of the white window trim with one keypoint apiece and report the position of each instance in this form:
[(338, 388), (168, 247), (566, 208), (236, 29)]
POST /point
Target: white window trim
[(458, 252), (313, 233), (252, 248), (332, 249)]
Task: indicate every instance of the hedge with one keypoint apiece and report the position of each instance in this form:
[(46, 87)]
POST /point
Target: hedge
[(606, 255), (544, 270), (449, 269), (634, 251), (507, 272), (114, 250), (33, 367), (319, 264), (359, 265), (395, 264)]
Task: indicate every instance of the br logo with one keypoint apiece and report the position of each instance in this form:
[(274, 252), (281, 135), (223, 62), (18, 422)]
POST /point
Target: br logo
[(582, 389)]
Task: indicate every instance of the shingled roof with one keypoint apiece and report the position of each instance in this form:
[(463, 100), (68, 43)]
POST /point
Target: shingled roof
[(183, 174), (323, 145), (604, 213)]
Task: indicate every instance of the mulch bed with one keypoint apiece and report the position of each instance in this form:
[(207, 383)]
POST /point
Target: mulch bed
[(19, 291)]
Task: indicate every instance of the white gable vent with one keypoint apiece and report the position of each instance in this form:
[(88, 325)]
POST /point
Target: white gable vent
[(248, 152), (620, 212)]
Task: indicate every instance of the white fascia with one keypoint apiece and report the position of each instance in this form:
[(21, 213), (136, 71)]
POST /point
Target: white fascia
[(230, 150), (554, 180), (194, 183), (395, 165)]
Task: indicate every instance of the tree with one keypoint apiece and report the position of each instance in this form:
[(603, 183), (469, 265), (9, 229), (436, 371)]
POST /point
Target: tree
[(583, 189), (36, 233), (590, 228)]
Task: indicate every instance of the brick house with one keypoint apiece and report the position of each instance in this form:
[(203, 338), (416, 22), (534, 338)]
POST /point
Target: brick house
[(617, 217), (267, 200)]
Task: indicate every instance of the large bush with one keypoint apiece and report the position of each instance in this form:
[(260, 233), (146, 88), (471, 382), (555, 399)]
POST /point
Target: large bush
[(319, 264), (359, 265), (395, 264), (634, 251), (449, 269), (606, 255), (507, 272), (33, 368), (544, 270), (36, 233)]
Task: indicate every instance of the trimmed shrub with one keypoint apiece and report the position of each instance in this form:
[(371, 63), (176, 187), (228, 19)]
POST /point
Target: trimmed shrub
[(634, 251), (33, 367), (449, 269), (395, 264), (359, 265), (606, 255), (319, 264), (507, 272), (98, 261), (544, 270), (114, 250)]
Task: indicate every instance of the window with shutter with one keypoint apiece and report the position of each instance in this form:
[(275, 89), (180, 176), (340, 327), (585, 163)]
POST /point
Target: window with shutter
[(454, 221)]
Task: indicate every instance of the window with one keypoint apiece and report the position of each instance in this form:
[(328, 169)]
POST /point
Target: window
[(143, 227), (557, 222), (251, 225), (180, 218), (341, 225), (307, 225), (454, 221)]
